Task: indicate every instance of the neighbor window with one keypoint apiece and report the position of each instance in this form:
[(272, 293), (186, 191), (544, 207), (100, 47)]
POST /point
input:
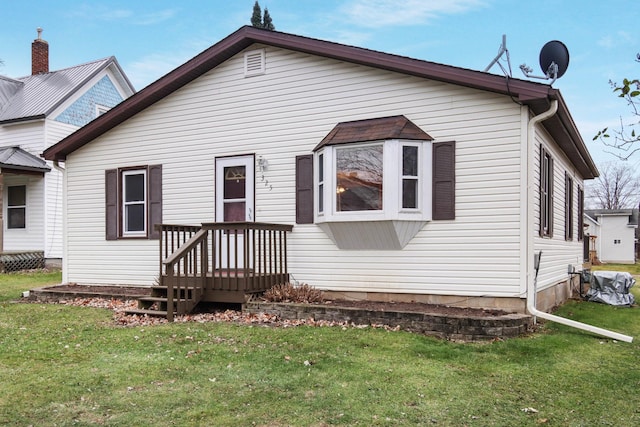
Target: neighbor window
[(134, 202), (568, 207), (546, 193), (16, 206), (101, 109)]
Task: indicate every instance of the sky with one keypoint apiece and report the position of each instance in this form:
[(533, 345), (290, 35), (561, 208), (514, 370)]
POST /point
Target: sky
[(149, 38)]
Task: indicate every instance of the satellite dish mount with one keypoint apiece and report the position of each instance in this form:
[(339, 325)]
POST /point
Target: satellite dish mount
[(554, 61)]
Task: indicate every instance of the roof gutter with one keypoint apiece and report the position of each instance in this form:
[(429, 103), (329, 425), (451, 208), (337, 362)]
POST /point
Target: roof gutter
[(532, 282)]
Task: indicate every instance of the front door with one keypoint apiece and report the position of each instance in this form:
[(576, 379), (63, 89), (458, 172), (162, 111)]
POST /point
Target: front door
[(235, 189)]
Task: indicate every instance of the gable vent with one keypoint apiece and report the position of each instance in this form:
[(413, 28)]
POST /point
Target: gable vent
[(254, 63)]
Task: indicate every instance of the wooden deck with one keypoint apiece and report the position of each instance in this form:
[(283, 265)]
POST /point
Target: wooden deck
[(216, 262)]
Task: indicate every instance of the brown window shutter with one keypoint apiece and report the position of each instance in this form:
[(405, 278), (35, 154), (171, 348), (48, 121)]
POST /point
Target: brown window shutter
[(111, 202), (155, 200), (551, 202), (304, 189), (444, 182)]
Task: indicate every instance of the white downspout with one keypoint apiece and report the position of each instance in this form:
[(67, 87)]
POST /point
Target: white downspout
[(63, 170), (532, 281)]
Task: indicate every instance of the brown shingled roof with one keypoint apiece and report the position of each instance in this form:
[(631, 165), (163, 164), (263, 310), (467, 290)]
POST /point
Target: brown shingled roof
[(395, 127)]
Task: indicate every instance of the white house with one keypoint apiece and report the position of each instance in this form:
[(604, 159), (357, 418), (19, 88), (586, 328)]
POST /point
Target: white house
[(36, 112), (613, 234), (403, 179)]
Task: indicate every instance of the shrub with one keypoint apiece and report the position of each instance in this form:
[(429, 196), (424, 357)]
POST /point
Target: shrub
[(290, 293)]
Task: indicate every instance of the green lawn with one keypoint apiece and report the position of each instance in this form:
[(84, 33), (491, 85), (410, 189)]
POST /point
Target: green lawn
[(64, 365)]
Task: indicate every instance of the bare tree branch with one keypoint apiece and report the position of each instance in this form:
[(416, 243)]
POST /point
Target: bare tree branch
[(617, 187)]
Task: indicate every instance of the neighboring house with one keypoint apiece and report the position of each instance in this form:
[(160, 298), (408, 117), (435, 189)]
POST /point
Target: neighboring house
[(403, 179), (36, 112), (613, 235)]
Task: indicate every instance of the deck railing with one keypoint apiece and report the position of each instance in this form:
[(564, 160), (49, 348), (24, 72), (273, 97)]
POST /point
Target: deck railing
[(240, 257)]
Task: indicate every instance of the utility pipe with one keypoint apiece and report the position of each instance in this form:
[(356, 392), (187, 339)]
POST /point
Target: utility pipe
[(532, 284)]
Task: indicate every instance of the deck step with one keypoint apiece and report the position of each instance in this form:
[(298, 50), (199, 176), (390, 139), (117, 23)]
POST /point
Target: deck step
[(142, 311)]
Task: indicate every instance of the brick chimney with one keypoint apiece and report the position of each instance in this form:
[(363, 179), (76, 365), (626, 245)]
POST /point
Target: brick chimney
[(39, 55)]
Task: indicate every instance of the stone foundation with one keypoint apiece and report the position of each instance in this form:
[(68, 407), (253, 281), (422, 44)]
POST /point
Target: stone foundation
[(511, 305), (458, 328)]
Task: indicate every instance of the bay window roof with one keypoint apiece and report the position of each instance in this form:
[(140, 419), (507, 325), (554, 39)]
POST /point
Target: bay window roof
[(384, 128)]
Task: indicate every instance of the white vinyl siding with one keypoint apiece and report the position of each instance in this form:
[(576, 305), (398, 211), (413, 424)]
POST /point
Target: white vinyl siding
[(557, 253), (284, 113)]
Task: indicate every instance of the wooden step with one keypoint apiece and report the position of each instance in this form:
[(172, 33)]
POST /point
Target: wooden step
[(142, 311)]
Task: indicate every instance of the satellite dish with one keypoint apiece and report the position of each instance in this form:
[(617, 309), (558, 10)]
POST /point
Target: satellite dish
[(554, 61), (554, 54)]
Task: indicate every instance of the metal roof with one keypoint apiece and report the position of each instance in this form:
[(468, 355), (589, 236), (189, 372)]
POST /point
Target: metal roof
[(36, 96), (17, 159), (536, 96)]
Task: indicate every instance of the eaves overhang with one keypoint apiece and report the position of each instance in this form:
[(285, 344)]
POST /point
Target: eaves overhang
[(23, 119), (536, 96)]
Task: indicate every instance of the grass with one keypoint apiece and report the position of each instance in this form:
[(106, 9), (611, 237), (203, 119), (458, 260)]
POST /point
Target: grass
[(63, 365)]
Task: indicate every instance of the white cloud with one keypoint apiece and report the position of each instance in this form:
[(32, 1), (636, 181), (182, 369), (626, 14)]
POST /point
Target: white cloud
[(103, 13), (150, 68), (155, 17), (379, 13), (620, 38)]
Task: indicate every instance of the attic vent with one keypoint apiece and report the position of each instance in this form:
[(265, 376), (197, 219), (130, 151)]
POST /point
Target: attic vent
[(254, 63)]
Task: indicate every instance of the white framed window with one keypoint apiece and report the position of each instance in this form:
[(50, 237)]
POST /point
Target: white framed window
[(320, 203), (134, 202), (16, 206), (382, 180), (101, 109)]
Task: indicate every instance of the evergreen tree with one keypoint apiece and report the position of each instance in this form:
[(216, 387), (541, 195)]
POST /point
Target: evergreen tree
[(260, 21), (256, 18), (267, 23)]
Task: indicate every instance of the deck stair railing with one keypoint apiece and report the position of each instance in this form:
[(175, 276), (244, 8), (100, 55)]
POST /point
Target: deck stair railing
[(216, 262)]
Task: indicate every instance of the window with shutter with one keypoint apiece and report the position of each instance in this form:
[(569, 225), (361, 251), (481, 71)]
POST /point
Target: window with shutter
[(546, 193), (568, 207), (444, 185), (133, 202)]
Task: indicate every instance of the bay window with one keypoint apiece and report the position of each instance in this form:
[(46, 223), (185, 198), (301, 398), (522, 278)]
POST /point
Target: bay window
[(375, 183), (382, 180)]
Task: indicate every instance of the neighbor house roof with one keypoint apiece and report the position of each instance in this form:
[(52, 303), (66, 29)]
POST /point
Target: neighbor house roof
[(17, 159), (597, 213), (36, 96), (535, 95)]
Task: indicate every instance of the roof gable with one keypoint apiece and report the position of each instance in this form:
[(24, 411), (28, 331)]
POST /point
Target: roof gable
[(39, 95), (535, 95)]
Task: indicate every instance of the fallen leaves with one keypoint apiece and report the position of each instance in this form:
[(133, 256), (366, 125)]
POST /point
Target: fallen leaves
[(265, 319)]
